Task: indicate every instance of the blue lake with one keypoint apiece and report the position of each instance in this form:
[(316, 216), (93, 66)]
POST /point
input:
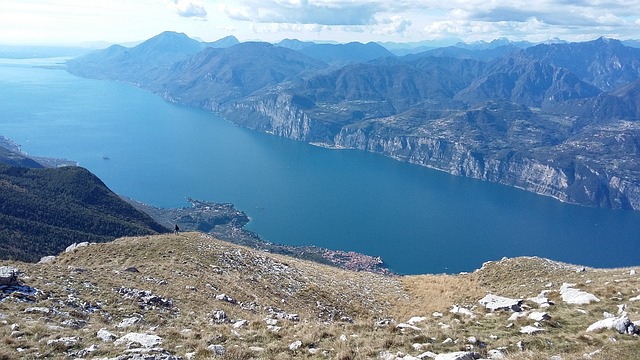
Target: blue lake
[(419, 220)]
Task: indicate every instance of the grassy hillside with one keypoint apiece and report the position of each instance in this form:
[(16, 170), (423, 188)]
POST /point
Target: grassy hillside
[(44, 210), (190, 295)]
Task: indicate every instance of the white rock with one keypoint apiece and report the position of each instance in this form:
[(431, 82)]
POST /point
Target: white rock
[(105, 335), (272, 322), (127, 322), (46, 259), (632, 272), (437, 314), (240, 323), (496, 354), (409, 357), (539, 316), (495, 302), (92, 348), (417, 346), (295, 345), (530, 330), (75, 246), (274, 329), (608, 315), (541, 299), (256, 349), (145, 340), (41, 310), (224, 297), (403, 326), (462, 311), (427, 354), (416, 319), (217, 349), (635, 298), (447, 341), (622, 325), (387, 355), (575, 296), (591, 354), (343, 337), (460, 355), (219, 315), (516, 315), (64, 341)]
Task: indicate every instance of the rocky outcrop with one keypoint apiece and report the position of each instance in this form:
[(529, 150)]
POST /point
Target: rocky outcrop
[(8, 275), (574, 296), (494, 302), (621, 324), (279, 115)]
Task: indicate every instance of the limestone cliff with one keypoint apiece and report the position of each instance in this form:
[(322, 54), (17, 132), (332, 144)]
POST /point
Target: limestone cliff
[(503, 156), (574, 184)]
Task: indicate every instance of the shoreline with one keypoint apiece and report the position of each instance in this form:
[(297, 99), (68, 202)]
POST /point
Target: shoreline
[(225, 222)]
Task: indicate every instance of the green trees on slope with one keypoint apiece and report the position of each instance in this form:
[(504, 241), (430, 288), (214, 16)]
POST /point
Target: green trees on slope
[(42, 211)]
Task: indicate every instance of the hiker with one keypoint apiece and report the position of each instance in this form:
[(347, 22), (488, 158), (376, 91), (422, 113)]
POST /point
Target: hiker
[(177, 228)]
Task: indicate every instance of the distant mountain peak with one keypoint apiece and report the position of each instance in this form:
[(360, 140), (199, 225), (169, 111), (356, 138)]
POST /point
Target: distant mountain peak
[(224, 42)]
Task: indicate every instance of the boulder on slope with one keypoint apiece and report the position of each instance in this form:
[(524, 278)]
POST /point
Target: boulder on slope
[(495, 302)]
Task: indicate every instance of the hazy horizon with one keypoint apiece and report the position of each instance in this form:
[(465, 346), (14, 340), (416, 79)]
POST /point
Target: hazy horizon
[(75, 22)]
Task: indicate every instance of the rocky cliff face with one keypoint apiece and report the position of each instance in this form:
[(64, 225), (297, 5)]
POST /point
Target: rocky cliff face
[(580, 185), (277, 115), (558, 175)]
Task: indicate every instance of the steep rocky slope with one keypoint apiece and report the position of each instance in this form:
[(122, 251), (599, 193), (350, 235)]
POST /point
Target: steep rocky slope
[(191, 296)]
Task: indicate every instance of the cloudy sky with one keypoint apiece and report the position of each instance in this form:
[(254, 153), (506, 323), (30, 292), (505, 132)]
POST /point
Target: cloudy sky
[(67, 22)]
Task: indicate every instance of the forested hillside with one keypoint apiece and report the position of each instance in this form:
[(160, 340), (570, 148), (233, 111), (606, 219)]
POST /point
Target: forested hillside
[(44, 210)]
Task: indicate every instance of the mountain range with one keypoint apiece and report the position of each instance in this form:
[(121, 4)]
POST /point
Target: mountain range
[(558, 119)]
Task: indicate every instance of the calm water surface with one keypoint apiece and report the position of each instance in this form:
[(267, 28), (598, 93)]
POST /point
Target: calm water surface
[(418, 220)]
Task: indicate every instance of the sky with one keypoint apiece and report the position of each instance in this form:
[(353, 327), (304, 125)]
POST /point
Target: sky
[(72, 22)]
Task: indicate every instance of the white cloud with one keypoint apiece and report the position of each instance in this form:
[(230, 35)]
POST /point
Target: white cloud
[(188, 9), (327, 12), (58, 21), (395, 25), (275, 28)]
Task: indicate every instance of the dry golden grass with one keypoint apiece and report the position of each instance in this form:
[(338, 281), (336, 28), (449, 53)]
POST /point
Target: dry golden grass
[(338, 309), (431, 293)]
